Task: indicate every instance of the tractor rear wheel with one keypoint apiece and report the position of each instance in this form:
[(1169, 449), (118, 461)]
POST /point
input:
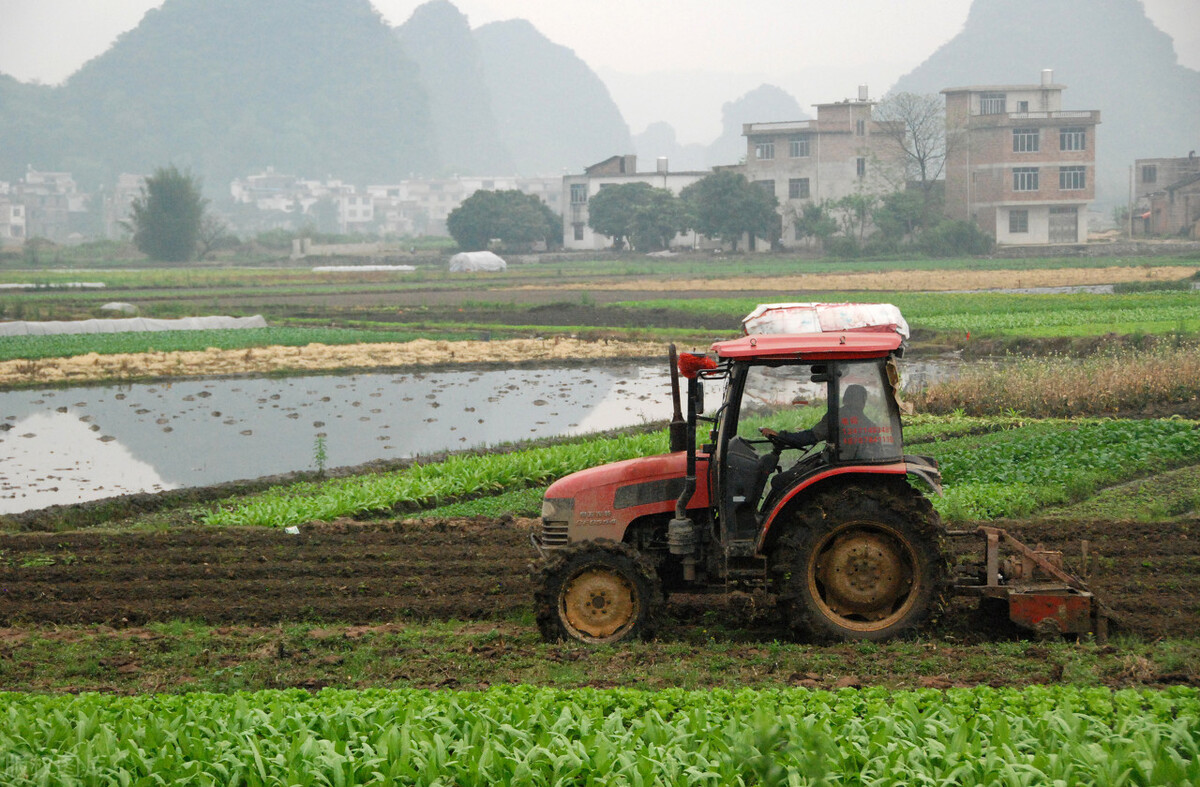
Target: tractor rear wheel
[(597, 592), (861, 563)]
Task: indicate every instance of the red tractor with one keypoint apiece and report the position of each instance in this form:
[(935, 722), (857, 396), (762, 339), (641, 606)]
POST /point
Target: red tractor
[(802, 487)]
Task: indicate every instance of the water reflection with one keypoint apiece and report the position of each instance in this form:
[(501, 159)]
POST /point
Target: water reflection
[(63, 446)]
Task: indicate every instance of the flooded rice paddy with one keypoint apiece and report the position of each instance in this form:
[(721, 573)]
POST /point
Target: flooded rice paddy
[(70, 445)]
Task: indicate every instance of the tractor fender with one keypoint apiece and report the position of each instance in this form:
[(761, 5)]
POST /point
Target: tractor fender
[(810, 485)]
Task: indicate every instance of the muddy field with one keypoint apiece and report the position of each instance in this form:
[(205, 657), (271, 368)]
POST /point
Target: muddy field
[(371, 573)]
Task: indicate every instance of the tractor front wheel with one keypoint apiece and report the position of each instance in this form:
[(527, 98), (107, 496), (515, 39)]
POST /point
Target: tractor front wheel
[(597, 592), (860, 564)]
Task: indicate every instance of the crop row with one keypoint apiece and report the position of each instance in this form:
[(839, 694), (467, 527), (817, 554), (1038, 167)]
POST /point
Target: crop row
[(526, 735), (463, 475), (999, 313), (1010, 469), (1014, 472)]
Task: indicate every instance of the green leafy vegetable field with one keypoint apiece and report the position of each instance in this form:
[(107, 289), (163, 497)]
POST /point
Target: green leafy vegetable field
[(526, 735)]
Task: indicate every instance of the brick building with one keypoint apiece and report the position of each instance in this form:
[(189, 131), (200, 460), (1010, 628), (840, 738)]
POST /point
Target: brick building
[(844, 151), (1019, 165), (1167, 196)]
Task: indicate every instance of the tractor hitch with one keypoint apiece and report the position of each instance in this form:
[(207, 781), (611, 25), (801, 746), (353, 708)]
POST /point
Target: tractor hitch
[(1041, 594)]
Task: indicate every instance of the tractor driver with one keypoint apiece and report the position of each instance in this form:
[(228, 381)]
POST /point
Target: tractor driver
[(851, 414)]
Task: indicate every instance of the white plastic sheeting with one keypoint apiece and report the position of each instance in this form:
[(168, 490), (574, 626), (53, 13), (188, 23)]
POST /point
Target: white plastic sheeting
[(471, 261), (824, 318), (132, 324), (119, 306)]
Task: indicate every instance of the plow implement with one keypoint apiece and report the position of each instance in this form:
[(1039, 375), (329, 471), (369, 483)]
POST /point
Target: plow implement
[(1041, 595)]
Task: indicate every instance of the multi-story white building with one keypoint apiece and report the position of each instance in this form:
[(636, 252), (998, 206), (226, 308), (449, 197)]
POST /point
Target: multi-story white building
[(12, 218), (1019, 165), (844, 151), (577, 190)]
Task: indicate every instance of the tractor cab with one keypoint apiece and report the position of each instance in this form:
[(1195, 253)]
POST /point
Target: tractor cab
[(786, 422)]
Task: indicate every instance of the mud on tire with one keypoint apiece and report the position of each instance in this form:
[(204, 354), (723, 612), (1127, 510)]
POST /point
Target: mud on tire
[(861, 563), (597, 592)]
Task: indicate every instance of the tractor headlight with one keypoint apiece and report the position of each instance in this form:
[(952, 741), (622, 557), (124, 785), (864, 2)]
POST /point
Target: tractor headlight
[(560, 509)]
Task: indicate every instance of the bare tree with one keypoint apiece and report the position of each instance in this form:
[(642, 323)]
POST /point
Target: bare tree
[(917, 124), (212, 233)]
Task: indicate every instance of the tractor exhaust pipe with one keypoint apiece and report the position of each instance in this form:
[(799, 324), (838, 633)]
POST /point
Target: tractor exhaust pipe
[(678, 429)]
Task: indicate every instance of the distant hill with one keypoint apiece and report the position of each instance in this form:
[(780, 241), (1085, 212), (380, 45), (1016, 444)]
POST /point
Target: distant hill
[(468, 141), (554, 112), (317, 88), (763, 104), (1110, 56), (659, 140), (229, 86)]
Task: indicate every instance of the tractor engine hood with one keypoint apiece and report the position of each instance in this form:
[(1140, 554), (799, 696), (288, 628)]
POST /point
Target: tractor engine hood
[(601, 502)]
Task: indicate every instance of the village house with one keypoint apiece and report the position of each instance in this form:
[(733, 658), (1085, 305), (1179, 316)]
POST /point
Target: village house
[(577, 190), (1167, 196), (844, 151), (53, 207), (1019, 165), (12, 218)]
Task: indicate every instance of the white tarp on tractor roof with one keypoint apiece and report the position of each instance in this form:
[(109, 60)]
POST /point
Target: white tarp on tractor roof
[(824, 318), (471, 261), (129, 325)]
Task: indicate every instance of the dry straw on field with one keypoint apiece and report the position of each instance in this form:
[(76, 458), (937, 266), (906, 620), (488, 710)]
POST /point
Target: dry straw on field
[(313, 357), (1105, 383), (902, 281)]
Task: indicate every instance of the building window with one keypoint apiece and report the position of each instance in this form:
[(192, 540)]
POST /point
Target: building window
[(1026, 140), (860, 127), (1072, 178), (578, 193), (1025, 179), (1149, 173), (764, 150), (991, 103), (766, 185), (578, 231), (861, 166), (798, 147), (798, 188), (1018, 221), (1023, 106), (1072, 139)]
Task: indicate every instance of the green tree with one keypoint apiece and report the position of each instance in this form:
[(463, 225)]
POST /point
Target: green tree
[(855, 211), (515, 218), (659, 219), (813, 221), (646, 216), (725, 205), (166, 218), (900, 215)]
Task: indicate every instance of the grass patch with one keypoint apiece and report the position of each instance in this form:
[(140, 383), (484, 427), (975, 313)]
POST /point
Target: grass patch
[(181, 656)]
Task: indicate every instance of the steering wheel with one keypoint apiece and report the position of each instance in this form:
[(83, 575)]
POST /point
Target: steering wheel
[(780, 441)]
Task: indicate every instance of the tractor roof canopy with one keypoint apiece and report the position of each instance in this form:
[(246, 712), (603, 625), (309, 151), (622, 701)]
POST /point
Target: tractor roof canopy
[(810, 346)]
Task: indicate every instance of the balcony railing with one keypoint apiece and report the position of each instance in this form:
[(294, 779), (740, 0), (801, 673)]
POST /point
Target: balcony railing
[(1061, 115)]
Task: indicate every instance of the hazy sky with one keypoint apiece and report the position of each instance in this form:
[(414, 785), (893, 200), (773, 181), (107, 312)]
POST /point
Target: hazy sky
[(816, 51)]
